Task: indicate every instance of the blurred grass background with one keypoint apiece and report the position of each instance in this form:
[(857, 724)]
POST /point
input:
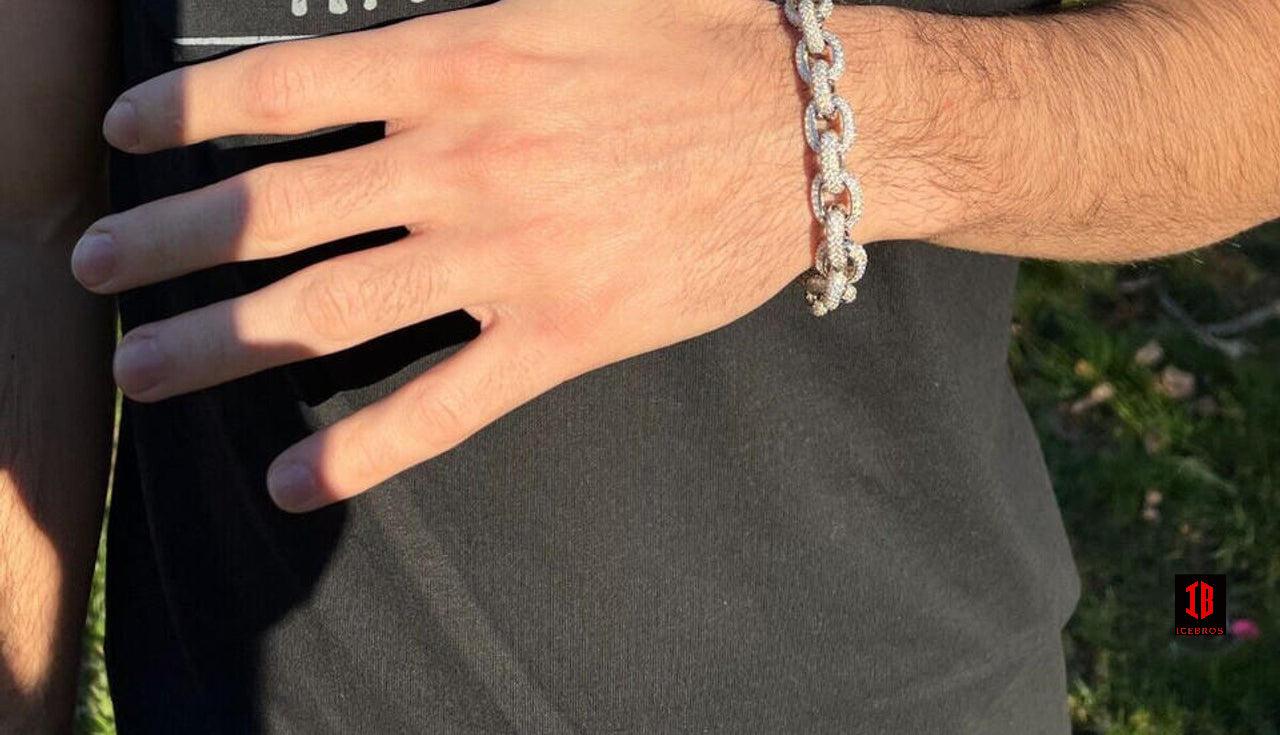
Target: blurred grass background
[(1158, 408), (1155, 390)]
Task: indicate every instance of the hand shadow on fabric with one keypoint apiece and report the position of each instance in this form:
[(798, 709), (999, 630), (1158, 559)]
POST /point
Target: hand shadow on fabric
[(192, 518)]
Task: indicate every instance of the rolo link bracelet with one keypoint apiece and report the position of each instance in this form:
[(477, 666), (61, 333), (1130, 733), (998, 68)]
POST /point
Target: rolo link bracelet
[(830, 129)]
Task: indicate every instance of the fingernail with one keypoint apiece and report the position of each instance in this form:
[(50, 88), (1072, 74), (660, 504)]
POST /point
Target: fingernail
[(120, 126), (292, 487), (94, 259), (139, 364)]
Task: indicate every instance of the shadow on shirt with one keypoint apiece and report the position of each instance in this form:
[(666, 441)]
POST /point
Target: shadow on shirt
[(205, 571)]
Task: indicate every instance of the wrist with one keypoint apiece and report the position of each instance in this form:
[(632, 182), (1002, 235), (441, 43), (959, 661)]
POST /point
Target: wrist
[(769, 56), (942, 122), (936, 137), (901, 115), (904, 126)]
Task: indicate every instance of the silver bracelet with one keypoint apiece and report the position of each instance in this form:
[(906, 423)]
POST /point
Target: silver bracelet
[(830, 129)]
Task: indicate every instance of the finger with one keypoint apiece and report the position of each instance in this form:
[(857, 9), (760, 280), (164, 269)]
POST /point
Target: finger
[(319, 310), (277, 209), (281, 88), (491, 376)]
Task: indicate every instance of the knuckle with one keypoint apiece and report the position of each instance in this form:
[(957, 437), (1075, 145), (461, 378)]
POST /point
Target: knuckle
[(471, 65), (482, 166), (360, 299), (286, 197), (349, 188), (567, 327), (489, 69), (330, 309), (277, 205), (439, 415), (423, 282), (394, 295), (472, 172), (275, 88)]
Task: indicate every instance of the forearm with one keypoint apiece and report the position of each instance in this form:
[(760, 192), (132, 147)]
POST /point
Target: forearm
[(55, 341), (55, 424), (1116, 133)]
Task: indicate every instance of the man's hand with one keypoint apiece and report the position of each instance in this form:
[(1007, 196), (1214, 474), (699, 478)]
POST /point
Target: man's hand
[(596, 180), (589, 180)]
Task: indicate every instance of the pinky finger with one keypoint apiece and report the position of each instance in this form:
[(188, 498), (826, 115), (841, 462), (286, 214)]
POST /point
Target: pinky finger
[(491, 376)]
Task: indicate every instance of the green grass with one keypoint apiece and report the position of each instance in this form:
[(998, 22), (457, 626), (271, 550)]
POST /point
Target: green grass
[(1150, 484), (94, 713)]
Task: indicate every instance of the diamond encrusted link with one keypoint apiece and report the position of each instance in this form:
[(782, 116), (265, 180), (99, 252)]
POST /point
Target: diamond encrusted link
[(824, 90), (830, 130), (821, 210), (804, 62), (813, 129), (822, 10)]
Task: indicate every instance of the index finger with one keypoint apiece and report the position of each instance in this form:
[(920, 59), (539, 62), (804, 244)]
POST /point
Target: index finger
[(283, 88)]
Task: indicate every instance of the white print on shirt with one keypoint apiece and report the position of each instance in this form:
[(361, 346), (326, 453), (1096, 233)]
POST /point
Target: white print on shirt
[(336, 7), (299, 10)]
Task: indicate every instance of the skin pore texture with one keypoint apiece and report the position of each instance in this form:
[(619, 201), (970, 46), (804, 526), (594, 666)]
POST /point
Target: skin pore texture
[(1119, 132)]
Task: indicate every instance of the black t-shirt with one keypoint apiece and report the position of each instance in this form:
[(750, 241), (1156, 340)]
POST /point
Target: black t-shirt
[(788, 525)]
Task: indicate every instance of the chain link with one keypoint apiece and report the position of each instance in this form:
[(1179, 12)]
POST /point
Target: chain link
[(830, 130)]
